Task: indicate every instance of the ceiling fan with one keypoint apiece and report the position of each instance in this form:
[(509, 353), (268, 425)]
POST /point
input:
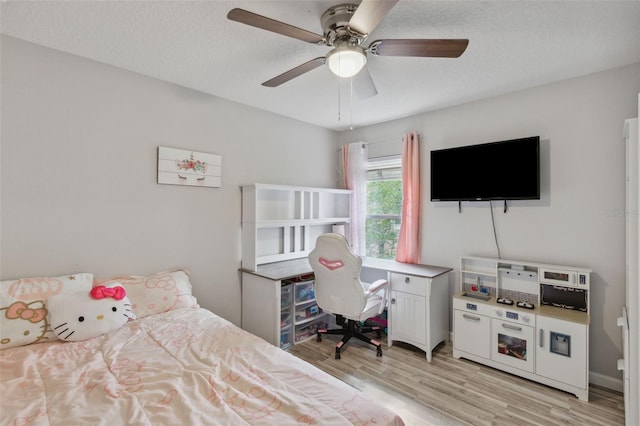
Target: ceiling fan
[(345, 28)]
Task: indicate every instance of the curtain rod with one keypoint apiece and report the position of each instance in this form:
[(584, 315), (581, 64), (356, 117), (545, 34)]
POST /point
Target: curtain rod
[(385, 141), (390, 140)]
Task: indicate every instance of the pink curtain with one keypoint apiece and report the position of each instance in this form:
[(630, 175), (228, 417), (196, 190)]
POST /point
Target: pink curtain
[(408, 249)]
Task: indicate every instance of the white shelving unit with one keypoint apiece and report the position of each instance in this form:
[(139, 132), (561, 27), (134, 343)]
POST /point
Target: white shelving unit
[(516, 280), (280, 225), (479, 272), (282, 222)]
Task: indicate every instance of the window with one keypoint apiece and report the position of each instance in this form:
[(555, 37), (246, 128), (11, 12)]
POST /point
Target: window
[(384, 206)]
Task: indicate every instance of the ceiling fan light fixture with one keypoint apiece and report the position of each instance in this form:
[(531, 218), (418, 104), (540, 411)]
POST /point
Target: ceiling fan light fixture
[(346, 61)]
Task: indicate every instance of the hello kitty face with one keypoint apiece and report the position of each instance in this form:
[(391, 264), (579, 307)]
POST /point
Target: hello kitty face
[(82, 316), (22, 323)]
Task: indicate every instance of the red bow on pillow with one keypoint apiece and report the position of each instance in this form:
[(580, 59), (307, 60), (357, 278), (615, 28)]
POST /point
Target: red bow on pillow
[(100, 292)]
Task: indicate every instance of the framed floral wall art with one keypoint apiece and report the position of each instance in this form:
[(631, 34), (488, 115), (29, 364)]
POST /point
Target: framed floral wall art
[(191, 168)]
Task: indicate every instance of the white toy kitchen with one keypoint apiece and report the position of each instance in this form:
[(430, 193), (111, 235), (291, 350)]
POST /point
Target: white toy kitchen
[(527, 319)]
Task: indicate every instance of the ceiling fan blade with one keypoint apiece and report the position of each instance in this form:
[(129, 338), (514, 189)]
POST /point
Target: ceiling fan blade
[(427, 48), (259, 21), (363, 84), (369, 14), (295, 72)]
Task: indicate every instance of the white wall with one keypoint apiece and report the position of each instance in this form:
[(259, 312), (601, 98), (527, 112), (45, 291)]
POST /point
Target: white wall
[(78, 172), (578, 221)]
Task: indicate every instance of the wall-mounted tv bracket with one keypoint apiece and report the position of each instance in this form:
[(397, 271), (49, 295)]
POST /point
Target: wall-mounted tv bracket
[(506, 207)]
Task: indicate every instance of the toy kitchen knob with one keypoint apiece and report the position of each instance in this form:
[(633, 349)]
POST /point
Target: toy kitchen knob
[(498, 312)]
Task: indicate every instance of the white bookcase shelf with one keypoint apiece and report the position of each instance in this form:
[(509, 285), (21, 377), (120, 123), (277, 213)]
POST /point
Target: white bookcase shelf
[(281, 222)]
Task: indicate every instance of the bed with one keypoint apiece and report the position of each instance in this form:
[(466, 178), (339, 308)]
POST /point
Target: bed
[(181, 366)]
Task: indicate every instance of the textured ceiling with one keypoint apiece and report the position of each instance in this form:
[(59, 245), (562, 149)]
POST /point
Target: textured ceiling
[(513, 45)]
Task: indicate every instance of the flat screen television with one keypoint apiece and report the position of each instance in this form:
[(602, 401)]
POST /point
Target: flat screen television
[(506, 170)]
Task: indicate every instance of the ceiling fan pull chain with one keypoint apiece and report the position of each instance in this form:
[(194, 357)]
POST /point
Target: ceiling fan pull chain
[(339, 89), (351, 103)]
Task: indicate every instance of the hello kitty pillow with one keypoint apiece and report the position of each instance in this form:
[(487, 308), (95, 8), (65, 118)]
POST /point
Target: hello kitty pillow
[(23, 306), (82, 316)]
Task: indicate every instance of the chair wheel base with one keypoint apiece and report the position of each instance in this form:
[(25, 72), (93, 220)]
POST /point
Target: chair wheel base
[(351, 329)]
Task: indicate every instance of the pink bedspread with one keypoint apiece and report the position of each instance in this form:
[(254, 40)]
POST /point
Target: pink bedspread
[(183, 367)]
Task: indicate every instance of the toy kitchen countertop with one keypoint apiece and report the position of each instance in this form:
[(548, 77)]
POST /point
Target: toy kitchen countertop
[(544, 310)]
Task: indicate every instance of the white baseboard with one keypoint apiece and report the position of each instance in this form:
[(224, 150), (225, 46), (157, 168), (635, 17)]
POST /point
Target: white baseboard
[(608, 382)]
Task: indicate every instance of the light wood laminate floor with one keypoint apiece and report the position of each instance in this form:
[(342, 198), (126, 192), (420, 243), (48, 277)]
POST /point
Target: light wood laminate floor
[(452, 391)]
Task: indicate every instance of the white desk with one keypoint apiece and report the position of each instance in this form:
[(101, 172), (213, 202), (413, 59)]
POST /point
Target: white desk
[(418, 305)]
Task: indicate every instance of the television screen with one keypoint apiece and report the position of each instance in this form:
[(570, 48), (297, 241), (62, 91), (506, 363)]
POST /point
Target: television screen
[(506, 170)]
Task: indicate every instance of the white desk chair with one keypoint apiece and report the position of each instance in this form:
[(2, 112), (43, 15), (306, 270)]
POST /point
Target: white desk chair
[(339, 290)]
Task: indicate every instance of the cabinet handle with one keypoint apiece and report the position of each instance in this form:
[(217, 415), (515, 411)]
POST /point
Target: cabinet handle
[(406, 280), (471, 317), (512, 327), (393, 300), (541, 338)]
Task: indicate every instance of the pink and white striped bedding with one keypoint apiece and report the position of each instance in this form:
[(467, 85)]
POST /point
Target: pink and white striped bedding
[(183, 367)]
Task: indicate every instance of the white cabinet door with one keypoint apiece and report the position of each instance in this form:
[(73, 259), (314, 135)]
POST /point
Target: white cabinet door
[(408, 318), (561, 351), (472, 333)]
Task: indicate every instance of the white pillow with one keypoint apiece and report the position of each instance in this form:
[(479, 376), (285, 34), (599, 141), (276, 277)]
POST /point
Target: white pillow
[(157, 293)]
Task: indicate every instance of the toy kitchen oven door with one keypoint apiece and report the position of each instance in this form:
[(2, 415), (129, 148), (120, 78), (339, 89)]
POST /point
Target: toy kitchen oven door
[(512, 338)]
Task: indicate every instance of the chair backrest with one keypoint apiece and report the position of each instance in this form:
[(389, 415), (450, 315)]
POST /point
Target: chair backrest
[(337, 276)]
